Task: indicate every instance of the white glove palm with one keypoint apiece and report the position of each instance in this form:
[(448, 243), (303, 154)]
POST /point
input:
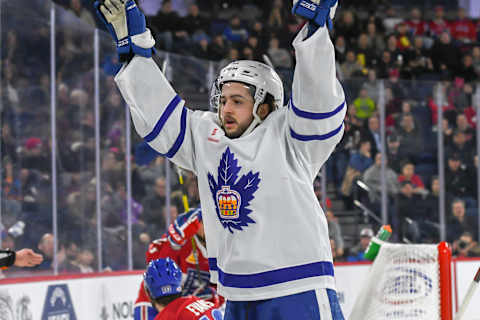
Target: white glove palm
[(115, 13)]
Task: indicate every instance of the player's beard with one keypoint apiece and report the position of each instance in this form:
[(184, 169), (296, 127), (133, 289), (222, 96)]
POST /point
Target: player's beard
[(236, 132)]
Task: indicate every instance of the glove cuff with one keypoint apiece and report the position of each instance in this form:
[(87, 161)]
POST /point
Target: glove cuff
[(317, 14)]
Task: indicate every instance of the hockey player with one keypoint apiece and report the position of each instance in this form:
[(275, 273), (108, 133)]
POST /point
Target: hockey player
[(191, 258), (267, 237), (162, 282), (21, 258)]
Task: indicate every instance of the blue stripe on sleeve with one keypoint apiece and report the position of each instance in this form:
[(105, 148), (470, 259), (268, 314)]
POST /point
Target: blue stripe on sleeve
[(269, 278), (181, 136), (163, 119), (315, 137), (313, 115)]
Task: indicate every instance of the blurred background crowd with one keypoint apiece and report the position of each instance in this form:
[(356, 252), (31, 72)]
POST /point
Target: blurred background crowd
[(428, 57)]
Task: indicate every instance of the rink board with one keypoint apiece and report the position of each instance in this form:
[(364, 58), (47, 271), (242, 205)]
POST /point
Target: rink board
[(105, 297), (111, 296)]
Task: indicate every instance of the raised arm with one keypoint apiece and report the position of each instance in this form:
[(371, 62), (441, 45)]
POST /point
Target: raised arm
[(317, 105), (158, 113)]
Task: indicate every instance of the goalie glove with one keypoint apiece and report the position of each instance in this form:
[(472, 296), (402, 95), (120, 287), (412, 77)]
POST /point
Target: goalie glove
[(317, 12), (127, 25), (184, 228)]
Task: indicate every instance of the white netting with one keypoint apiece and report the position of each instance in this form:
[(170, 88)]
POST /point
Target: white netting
[(403, 283)]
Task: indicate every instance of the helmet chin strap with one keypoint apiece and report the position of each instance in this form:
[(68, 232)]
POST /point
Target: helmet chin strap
[(255, 122)]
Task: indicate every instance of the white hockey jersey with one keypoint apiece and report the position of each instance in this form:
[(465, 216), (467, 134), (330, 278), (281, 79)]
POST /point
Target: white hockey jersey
[(266, 233)]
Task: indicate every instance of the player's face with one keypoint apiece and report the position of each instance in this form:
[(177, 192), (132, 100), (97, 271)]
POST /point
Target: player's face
[(236, 108)]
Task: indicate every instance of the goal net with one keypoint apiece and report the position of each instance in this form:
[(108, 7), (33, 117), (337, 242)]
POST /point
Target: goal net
[(407, 281)]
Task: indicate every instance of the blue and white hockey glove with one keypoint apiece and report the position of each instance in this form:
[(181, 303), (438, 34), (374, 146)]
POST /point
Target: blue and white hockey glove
[(126, 23), (184, 228), (317, 12)]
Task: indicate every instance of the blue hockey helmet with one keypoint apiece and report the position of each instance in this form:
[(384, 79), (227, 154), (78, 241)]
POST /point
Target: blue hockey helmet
[(163, 278)]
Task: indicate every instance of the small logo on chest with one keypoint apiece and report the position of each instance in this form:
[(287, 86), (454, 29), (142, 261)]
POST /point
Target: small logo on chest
[(212, 136)]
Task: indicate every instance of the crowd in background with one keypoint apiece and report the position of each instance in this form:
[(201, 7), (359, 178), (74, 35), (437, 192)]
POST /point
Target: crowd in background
[(412, 49)]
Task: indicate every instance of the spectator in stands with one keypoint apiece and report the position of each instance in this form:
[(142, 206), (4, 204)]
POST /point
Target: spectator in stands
[(465, 246), (233, 54), (447, 132), (362, 159), (445, 56), (394, 158), (200, 50), (364, 105), (45, 246), (276, 18), (235, 32), (84, 260), (35, 155), (347, 26), (170, 32), (195, 24), (357, 253), (476, 59), (461, 147), (408, 174), (467, 71), (429, 217), (373, 178), (82, 12), (372, 134), (460, 96), (417, 26), (403, 37), (340, 50), (377, 43), (359, 162), (258, 52), (385, 64), (372, 85), (280, 57), (365, 53), (438, 25), (262, 35), (71, 254), (419, 61), (458, 222), (408, 212), (335, 233), (217, 49), (456, 177), (411, 141), (8, 142), (351, 68), (462, 28), (152, 205)]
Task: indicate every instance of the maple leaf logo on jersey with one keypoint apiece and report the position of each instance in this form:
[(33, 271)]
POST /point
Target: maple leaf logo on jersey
[(231, 195)]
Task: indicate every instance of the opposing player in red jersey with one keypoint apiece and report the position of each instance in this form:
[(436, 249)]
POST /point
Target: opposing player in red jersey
[(184, 243), (162, 282)]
